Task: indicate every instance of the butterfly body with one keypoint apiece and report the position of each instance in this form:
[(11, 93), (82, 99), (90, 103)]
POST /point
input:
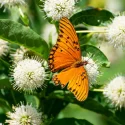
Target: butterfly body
[(65, 56), (79, 63)]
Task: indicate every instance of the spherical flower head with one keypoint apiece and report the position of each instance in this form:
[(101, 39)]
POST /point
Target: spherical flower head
[(24, 115), (92, 69), (100, 37), (56, 9), (19, 54), (28, 75), (11, 3), (116, 31), (115, 91), (4, 48)]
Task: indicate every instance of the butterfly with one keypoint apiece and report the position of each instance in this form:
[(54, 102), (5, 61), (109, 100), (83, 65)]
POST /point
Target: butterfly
[(65, 58)]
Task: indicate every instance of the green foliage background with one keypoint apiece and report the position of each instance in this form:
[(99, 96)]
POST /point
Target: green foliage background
[(59, 105)]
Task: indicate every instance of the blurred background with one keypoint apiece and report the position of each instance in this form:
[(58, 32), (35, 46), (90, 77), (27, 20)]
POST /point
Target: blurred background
[(48, 32)]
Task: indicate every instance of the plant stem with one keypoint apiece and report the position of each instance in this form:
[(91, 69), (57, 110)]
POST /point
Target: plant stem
[(23, 17), (21, 12), (98, 90), (92, 31)]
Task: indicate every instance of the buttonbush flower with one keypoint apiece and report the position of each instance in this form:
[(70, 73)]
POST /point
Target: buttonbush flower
[(4, 48), (19, 54), (92, 69), (28, 74), (116, 31), (11, 3), (115, 91), (57, 9), (24, 115), (100, 37)]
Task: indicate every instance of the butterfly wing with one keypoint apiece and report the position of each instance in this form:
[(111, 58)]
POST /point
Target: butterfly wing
[(63, 55), (67, 50), (77, 81)]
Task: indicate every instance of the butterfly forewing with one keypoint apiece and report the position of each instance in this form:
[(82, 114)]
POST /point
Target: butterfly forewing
[(70, 36), (67, 49)]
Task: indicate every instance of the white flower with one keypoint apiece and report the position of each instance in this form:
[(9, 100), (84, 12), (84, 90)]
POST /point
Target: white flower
[(57, 9), (11, 3), (49, 33), (114, 6), (115, 91), (4, 48), (19, 54), (92, 70), (116, 31), (100, 37), (28, 75), (24, 115)]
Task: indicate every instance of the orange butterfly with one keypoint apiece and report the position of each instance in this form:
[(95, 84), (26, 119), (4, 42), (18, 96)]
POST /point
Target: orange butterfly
[(66, 56)]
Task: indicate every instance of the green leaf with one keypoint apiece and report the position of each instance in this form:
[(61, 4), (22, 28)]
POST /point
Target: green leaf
[(94, 106), (91, 16), (120, 114), (25, 19), (61, 94), (17, 33), (4, 63), (96, 54), (77, 112), (4, 82), (31, 99), (71, 121), (89, 103), (2, 118), (4, 106)]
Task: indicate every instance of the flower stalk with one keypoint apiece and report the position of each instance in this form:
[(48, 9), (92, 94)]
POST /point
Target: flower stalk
[(92, 31), (98, 90), (21, 12), (23, 17)]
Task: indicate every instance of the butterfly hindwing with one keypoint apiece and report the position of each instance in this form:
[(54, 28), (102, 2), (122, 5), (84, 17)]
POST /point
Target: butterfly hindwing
[(78, 85), (63, 77), (77, 81), (67, 49)]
